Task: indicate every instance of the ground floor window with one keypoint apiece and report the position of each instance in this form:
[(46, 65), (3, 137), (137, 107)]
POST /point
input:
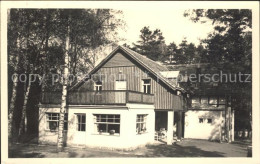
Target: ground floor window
[(81, 122), (107, 123), (207, 120), (141, 123), (53, 121)]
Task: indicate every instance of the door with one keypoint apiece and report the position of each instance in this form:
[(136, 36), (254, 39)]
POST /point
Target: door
[(120, 85), (120, 97)]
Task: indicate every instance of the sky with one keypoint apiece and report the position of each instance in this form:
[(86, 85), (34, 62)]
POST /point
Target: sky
[(171, 22)]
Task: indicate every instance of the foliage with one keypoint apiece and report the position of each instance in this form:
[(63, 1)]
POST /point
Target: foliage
[(230, 45), (231, 39), (151, 44), (41, 34)]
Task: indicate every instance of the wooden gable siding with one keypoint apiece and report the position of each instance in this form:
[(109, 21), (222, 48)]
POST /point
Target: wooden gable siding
[(87, 86), (111, 75), (118, 60), (165, 98)]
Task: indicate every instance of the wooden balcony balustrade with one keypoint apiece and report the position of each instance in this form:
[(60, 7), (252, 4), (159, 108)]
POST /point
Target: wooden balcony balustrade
[(105, 97)]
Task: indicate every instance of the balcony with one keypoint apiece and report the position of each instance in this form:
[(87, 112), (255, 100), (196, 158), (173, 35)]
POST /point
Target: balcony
[(106, 97)]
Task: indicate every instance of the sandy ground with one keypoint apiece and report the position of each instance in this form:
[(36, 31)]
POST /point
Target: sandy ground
[(185, 148)]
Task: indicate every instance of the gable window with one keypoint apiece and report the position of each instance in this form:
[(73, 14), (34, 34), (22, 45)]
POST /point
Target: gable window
[(141, 123), (98, 86), (53, 121), (147, 86), (81, 122), (107, 124)]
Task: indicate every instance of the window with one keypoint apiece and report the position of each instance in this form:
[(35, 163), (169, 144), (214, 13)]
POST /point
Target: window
[(213, 100), (53, 121), (107, 123), (147, 86), (209, 120), (98, 86), (204, 100), (200, 120), (222, 102), (141, 123), (195, 102), (81, 122)]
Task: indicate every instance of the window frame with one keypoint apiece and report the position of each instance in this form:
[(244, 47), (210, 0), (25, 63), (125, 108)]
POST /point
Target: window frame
[(98, 120), (79, 124), (145, 86), (205, 120), (55, 120), (141, 123), (98, 86)]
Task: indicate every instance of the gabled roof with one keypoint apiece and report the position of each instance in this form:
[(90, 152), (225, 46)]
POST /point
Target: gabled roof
[(153, 67)]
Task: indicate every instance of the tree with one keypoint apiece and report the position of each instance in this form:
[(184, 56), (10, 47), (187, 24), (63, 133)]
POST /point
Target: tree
[(227, 42), (15, 45), (37, 36), (64, 85), (230, 46), (172, 51), (11, 125), (186, 52), (200, 55), (151, 44), (76, 23)]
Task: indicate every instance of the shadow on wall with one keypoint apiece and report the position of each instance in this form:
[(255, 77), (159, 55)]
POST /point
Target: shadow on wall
[(34, 138), (216, 131), (214, 127), (50, 137)]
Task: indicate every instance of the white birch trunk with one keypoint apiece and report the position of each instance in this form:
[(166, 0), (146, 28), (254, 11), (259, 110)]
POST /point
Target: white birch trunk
[(64, 94), (23, 117)]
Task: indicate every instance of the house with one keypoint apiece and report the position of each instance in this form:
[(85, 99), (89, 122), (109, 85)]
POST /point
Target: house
[(120, 104), (127, 98), (209, 114)]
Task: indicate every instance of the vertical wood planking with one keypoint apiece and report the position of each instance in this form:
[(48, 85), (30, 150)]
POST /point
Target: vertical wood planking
[(164, 98)]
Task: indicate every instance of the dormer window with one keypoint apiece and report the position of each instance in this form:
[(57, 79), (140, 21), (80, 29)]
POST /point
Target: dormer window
[(98, 86), (147, 86)]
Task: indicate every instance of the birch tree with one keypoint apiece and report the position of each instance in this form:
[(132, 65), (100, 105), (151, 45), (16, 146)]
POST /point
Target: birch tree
[(37, 36), (64, 88), (14, 61)]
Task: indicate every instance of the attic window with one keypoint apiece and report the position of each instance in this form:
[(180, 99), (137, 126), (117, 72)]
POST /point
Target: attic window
[(200, 120), (98, 86), (209, 120), (147, 86)]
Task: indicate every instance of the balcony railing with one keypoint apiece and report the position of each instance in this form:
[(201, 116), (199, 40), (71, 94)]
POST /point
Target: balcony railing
[(106, 97)]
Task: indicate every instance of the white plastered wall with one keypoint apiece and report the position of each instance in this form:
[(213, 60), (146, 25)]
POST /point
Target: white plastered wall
[(196, 130), (127, 138)]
